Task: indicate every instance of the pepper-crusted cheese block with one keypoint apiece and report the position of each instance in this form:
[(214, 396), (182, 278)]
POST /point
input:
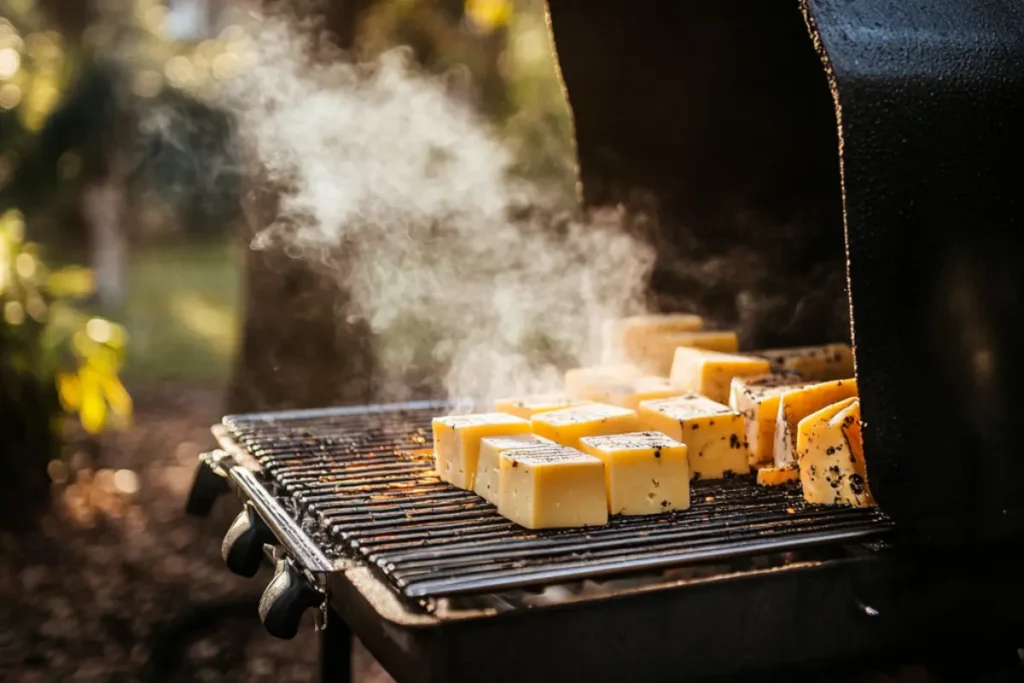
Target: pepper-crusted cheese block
[(528, 406), (830, 361), (777, 476), (569, 425), (632, 332), (457, 442), (488, 465), (552, 488), (756, 398), (710, 373), (830, 453), (590, 384), (796, 404), (645, 473), (657, 351), (712, 432)]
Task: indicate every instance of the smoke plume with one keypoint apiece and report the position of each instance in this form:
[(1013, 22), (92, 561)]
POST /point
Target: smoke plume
[(458, 268)]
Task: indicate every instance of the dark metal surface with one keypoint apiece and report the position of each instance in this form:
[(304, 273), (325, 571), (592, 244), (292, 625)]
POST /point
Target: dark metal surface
[(930, 98), (364, 483)]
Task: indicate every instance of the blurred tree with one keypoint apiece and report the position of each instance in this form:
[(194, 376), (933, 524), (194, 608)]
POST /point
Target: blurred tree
[(299, 348)]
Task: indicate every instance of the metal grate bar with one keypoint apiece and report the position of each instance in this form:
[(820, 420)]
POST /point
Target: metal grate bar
[(365, 476)]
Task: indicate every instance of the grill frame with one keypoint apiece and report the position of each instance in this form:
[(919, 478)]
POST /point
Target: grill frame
[(345, 473), (858, 603)]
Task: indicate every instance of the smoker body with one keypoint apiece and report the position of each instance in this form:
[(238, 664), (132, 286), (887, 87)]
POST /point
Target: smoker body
[(739, 125)]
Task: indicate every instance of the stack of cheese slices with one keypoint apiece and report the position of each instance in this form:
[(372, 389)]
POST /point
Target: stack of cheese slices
[(673, 403)]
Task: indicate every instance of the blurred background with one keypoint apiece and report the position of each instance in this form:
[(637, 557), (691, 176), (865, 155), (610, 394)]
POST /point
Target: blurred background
[(133, 314)]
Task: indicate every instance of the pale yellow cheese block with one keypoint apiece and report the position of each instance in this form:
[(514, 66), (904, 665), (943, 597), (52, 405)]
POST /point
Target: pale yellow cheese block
[(551, 488), (777, 476), (756, 398), (830, 454), (655, 353), (634, 331), (569, 425), (829, 361), (710, 373), (457, 442), (712, 432), (796, 404), (645, 472), (528, 406), (628, 391), (591, 383), (488, 465)]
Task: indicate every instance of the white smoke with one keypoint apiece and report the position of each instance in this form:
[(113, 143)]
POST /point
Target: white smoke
[(442, 249)]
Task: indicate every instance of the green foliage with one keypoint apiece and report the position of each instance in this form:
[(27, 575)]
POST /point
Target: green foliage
[(46, 341)]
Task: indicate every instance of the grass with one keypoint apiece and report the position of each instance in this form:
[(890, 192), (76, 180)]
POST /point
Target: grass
[(181, 312)]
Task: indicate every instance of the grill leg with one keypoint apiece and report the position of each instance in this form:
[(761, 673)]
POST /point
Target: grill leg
[(335, 651)]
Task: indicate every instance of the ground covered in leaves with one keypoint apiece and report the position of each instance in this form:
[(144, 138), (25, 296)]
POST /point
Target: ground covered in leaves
[(118, 584)]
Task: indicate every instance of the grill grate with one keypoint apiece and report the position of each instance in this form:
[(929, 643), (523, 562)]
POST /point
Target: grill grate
[(364, 476)]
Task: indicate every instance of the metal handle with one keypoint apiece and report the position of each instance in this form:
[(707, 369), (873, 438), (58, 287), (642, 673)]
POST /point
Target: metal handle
[(242, 548), (286, 599)]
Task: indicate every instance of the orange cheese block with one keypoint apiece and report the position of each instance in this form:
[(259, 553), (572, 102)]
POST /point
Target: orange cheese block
[(830, 455), (569, 425), (796, 404)]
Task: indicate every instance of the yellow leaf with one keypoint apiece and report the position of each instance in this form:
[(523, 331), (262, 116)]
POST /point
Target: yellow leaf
[(117, 396), (93, 413), (69, 389)]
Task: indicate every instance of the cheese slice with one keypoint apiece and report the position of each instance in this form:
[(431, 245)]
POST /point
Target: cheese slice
[(645, 472), (552, 488), (488, 465), (756, 398), (634, 331), (796, 404), (591, 383), (830, 453), (829, 361), (777, 476), (712, 432), (528, 406), (569, 425), (655, 352), (710, 373), (457, 442)]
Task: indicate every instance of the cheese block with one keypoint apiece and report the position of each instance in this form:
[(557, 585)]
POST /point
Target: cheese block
[(552, 487), (756, 398), (591, 383), (627, 392), (645, 472), (528, 406), (657, 351), (457, 442), (712, 432), (830, 361), (710, 373), (634, 331), (777, 476), (488, 465), (569, 425), (644, 388), (796, 404), (830, 453)]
